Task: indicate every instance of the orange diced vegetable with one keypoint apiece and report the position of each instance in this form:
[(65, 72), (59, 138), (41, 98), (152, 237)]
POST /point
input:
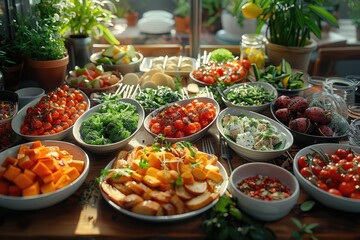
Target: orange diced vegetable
[(33, 190), (14, 191), (22, 181), (63, 181), (25, 162), (48, 178), (164, 176), (56, 175), (47, 187), (36, 144), (136, 176), (9, 161), (38, 152), (23, 149), (187, 177), (154, 161), (151, 171), (49, 162), (72, 172), (30, 174), (4, 188), (215, 176), (11, 173), (78, 164), (41, 170), (199, 174)]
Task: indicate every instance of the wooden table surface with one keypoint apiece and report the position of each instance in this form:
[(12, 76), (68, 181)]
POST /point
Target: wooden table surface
[(80, 217)]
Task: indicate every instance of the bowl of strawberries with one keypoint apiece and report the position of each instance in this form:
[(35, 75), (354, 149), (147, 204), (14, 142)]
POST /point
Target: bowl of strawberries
[(316, 119)]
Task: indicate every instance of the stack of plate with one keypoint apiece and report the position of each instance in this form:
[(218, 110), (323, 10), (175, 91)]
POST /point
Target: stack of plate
[(156, 22)]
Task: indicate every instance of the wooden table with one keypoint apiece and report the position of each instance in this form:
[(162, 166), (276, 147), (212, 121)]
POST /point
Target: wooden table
[(75, 218)]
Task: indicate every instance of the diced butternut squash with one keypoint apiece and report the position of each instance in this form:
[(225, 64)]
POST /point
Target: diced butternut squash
[(38, 152), (198, 174), (78, 164), (151, 171), (14, 191), (48, 178), (187, 177), (63, 181), (23, 149), (72, 172), (47, 187), (56, 175), (41, 170), (33, 190), (215, 176), (25, 162), (30, 174), (23, 181), (11, 173), (185, 168), (49, 162), (154, 160), (35, 144), (10, 161), (4, 188)]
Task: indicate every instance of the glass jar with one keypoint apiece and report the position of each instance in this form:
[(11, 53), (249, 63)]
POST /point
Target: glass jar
[(252, 47), (345, 88)]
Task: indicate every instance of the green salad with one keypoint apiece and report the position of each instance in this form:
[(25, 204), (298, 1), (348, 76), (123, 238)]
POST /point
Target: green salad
[(249, 95), (115, 121), (156, 98)]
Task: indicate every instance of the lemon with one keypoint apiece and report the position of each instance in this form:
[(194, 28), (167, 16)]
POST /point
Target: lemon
[(251, 10)]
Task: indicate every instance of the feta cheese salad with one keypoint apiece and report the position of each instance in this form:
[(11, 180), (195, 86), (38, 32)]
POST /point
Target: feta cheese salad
[(257, 134)]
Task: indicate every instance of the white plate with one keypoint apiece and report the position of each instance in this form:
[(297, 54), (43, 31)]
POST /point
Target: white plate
[(147, 64), (157, 14), (155, 25), (171, 218)]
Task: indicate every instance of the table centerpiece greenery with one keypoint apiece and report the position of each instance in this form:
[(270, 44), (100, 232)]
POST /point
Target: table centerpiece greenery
[(289, 23)]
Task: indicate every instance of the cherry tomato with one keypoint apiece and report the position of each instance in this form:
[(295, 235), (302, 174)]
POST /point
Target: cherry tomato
[(342, 153), (347, 188), (335, 192), (302, 161)]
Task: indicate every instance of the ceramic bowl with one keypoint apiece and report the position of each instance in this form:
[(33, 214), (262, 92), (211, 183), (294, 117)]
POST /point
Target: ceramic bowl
[(28, 94), (107, 148), (257, 208), (121, 68), (256, 108), (19, 120), (325, 198), (190, 138), (252, 154), (45, 200)]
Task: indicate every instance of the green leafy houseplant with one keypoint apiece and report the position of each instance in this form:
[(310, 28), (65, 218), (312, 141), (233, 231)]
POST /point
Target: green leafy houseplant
[(289, 22), (89, 18), (182, 8)]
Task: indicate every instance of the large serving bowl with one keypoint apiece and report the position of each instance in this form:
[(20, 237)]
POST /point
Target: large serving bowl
[(325, 198), (260, 209), (256, 108), (248, 153), (122, 68), (183, 103), (19, 120), (48, 199), (107, 148), (339, 125)]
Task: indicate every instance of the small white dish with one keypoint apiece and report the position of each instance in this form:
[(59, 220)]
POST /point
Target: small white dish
[(157, 14), (155, 25)]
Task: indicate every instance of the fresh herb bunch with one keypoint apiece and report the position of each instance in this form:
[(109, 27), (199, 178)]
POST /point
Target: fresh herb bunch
[(289, 22), (89, 18), (155, 98), (226, 221)]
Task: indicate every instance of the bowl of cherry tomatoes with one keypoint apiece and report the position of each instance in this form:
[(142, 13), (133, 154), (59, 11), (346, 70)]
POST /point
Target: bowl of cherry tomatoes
[(329, 172), (185, 120), (231, 71), (51, 117)]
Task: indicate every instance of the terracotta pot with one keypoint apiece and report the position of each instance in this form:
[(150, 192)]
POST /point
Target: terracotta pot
[(12, 77), (49, 74), (182, 24), (298, 57), (132, 18)]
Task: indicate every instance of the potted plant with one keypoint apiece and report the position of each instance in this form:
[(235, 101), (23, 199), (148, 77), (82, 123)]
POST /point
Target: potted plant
[(354, 13), (181, 16), (37, 37), (234, 26), (289, 24), (211, 12), (87, 19)]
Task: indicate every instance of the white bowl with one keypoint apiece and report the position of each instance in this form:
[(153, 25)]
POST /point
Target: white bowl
[(328, 199), (26, 95), (251, 154), (19, 120), (121, 68), (108, 148), (190, 138), (48, 199), (260, 209), (256, 108)]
